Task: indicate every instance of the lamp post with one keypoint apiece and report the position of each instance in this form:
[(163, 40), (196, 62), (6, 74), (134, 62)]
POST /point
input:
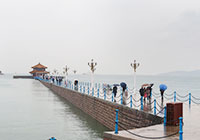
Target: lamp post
[(92, 67), (66, 69), (74, 71), (55, 72), (134, 66)]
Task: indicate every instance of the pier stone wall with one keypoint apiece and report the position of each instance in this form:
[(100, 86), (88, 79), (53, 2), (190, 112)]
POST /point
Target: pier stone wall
[(104, 111)]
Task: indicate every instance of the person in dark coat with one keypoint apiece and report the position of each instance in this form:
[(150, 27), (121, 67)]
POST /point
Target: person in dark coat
[(142, 90), (162, 93), (57, 80), (76, 85), (149, 91), (115, 92)]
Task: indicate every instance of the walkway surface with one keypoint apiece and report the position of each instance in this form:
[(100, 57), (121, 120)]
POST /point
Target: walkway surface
[(152, 131)]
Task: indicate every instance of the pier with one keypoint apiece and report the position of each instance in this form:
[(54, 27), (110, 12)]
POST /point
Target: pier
[(103, 110), (136, 120), (22, 77)]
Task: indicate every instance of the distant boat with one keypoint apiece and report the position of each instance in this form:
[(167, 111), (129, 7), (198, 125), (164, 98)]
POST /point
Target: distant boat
[(1, 73)]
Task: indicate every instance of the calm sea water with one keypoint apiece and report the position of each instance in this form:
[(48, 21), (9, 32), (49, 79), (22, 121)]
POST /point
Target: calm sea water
[(30, 111), (182, 85)]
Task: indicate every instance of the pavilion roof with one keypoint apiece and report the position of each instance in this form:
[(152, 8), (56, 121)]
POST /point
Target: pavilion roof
[(39, 66), (36, 71)]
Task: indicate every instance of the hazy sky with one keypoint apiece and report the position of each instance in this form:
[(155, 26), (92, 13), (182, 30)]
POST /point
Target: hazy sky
[(163, 35)]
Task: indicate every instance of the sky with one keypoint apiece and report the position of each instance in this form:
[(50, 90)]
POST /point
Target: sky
[(162, 35)]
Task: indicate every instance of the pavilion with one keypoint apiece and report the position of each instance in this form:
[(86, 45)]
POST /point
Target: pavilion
[(39, 70)]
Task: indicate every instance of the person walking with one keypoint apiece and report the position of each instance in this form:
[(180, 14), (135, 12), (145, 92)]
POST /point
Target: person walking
[(142, 92), (115, 92), (149, 91), (76, 85), (162, 87), (53, 79), (124, 92), (56, 80)]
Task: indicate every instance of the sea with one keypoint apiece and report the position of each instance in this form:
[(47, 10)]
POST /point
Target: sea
[(30, 111)]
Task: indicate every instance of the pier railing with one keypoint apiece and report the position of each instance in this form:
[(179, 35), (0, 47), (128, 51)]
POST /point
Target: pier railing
[(180, 98), (134, 100)]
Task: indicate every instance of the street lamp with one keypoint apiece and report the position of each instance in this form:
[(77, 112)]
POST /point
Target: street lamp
[(134, 66), (66, 69), (92, 66), (55, 72), (74, 71)]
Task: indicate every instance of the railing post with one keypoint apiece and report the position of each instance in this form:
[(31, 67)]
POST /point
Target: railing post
[(165, 116), (180, 128), (66, 84), (98, 92), (112, 97), (131, 102), (116, 122), (154, 106), (121, 98), (104, 94), (174, 96), (88, 90), (189, 99), (92, 91), (141, 102), (84, 89), (80, 88)]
